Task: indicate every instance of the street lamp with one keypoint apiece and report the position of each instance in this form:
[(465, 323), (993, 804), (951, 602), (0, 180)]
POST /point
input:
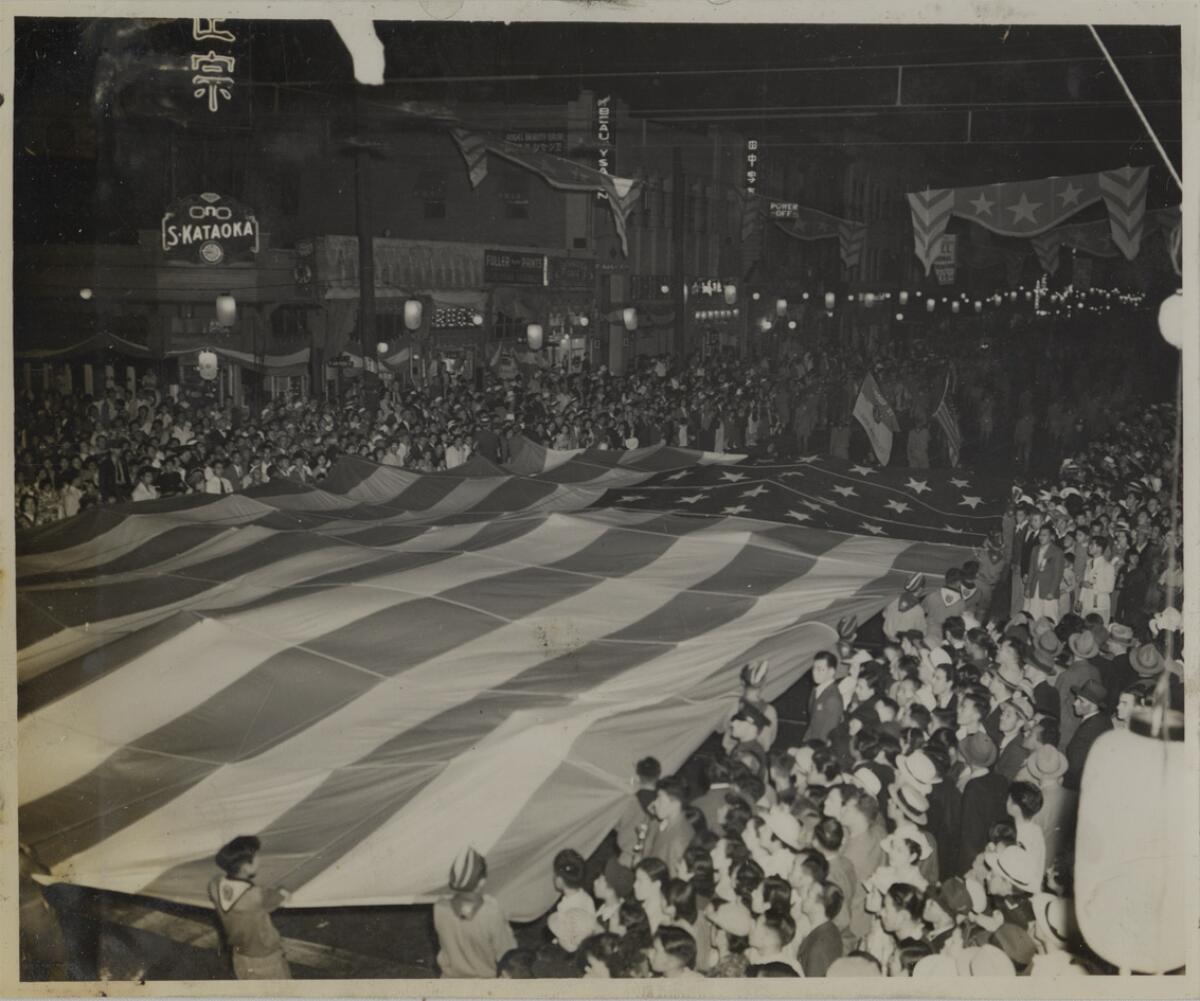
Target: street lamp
[(413, 311)]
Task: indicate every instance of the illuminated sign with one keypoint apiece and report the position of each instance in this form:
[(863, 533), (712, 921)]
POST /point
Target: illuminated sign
[(212, 71), (209, 229), (785, 210), (606, 155), (751, 166)]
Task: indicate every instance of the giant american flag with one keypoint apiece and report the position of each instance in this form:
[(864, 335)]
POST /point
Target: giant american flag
[(372, 673)]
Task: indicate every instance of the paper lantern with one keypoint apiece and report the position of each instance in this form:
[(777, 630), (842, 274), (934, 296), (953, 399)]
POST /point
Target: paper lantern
[(756, 296), (226, 310), (85, 293), (206, 365), (791, 324), (1012, 296), (902, 298), (1132, 848), (780, 307), (413, 311), (1028, 296), (954, 306), (629, 316), (730, 294), (869, 299), (978, 306), (665, 289), (930, 305), (382, 347), (1170, 319), (830, 300), (477, 319), (584, 321), (764, 324), (804, 296), (899, 317), (533, 336)]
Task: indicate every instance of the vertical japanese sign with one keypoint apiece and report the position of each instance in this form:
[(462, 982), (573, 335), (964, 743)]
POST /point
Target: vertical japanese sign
[(212, 71), (751, 166), (606, 154), (946, 261)]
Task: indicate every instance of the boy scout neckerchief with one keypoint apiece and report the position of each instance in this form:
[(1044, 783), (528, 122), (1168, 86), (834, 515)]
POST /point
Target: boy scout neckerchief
[(230, 890)]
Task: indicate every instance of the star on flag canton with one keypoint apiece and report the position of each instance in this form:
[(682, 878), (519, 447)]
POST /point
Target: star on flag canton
[(830, 494)]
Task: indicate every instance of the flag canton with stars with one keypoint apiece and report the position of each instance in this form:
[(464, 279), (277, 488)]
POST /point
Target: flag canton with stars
[(928, 505)]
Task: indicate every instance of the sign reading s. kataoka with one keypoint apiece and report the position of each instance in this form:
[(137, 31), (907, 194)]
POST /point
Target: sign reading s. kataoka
[(209, 229)]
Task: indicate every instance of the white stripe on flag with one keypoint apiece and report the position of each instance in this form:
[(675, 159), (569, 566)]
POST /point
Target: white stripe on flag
[(253, 793), (217, 652), (486, 789)]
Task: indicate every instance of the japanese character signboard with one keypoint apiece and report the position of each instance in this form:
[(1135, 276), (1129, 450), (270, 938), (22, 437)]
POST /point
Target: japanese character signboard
[(212, 71)]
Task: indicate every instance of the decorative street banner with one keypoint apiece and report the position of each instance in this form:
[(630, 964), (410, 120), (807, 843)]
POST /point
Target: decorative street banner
[(209, 229), (811, 224), (1029, 208), (1096, 237), (566, 175)]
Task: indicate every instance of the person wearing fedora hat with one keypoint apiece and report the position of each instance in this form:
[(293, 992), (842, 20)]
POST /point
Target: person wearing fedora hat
[(1080, 671), (1046, 768), (1113, 662), (984, 795), (1012, 752), (1087, 701)]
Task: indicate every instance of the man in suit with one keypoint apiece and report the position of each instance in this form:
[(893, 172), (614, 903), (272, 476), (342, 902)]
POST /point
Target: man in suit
[(1080, 671), (673, 833), (1046, 563), (1024, 538), (1088, 700), (820, 903), (825, 705), (984, 798), (1012, 749)]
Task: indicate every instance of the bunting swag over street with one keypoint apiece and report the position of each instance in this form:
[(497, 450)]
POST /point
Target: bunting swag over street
[(318, 665), (1028, 208)]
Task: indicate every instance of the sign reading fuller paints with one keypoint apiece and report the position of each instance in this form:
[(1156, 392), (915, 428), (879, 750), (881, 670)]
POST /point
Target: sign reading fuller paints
[(209, 229)]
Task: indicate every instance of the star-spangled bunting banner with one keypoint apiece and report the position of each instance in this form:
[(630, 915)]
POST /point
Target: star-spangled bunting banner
[(557, 171), (812, 224), (1096, 237), (1028, 208)]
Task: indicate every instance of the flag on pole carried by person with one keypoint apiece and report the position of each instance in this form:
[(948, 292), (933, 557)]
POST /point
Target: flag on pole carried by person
[(877, 418), (948, 420)]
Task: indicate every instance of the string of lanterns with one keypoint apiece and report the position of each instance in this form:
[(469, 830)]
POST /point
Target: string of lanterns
[(1063, 302)]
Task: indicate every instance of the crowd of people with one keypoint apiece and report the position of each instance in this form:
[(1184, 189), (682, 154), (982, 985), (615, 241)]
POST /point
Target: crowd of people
[(909, 807), (76, 452)]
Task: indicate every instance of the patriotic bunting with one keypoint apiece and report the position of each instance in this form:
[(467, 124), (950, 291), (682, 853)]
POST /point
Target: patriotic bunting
[(1030, 208), (343, 669), (1096, 238), (1124, 194), (558, 172), (812, 224)]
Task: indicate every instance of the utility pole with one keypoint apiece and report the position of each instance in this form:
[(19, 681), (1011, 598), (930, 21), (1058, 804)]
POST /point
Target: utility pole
[(679, 347), (366, 261)]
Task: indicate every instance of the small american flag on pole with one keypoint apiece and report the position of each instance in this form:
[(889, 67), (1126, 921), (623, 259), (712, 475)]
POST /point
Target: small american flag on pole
[(948, 420)]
